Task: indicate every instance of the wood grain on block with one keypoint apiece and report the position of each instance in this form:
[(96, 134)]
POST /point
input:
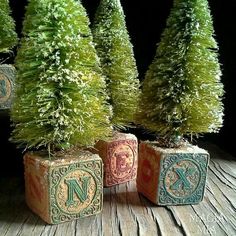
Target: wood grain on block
[(119, 157), (172, 176), (64, 188), (7, 79)]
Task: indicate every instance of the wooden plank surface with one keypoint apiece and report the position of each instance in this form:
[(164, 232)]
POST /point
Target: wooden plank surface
[(127, 213)]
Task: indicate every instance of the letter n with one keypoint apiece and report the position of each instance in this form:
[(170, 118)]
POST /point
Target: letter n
[(74, 187)]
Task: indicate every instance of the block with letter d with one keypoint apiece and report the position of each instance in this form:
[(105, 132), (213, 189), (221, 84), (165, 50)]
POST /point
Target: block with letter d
[(172, 176), (63, 188)]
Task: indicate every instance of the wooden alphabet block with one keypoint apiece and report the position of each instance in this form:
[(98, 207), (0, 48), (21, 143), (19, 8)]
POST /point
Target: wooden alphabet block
[(64, 188), (172, 176), (7, 80), (119, 157)]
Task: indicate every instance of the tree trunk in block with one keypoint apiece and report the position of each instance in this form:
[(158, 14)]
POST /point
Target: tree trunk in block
[(119, 157), (172, 176), (64, 188), (7, 80)]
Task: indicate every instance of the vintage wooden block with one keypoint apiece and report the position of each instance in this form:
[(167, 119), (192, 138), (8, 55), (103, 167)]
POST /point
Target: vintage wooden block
[(169, 176), (7, 80), (64, 188), (119, 157)]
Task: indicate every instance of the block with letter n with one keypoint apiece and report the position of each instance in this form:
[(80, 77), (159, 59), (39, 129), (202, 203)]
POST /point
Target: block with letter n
[(172, 176), (65, 187)]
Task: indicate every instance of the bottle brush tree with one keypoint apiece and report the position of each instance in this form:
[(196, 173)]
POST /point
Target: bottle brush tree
[(8, 36), (117, 58), (8, 40), (182, 93), (60, 97)]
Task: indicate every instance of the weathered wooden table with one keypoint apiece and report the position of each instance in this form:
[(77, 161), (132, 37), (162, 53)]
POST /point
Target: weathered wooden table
[(127, 213)]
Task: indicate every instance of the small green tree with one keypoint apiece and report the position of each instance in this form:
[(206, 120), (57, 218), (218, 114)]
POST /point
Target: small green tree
[(117, 58), (182, 91), (60, 98), (8, 36)]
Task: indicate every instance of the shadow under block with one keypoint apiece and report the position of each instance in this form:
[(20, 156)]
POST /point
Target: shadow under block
[(64, 188), (7, 80), (120, 158), (172, 176)]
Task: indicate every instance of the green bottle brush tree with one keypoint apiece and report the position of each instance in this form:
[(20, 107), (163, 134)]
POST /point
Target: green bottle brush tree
[(117, 58), (60, 106), (182, 93), (115, 50), (60, 97), (8, 40), (8, 36), (181, 97)]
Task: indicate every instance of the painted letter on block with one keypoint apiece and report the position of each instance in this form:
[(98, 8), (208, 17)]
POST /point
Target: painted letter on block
[(74, 188)]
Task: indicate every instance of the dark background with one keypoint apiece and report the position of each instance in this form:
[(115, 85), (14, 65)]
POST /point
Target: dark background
[(145, 22)]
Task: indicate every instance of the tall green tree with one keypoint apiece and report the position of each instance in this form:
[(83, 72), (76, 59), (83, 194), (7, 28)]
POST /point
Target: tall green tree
[(8, 36), (60, 98), (115, 50), (182, 92)]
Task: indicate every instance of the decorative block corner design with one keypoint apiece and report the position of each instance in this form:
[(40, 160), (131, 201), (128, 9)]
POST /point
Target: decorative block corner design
[(7, 81), (172, 176), (64, 189), (120, 158)]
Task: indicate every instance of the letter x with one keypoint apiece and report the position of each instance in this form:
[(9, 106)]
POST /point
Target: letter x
[(183, 178)]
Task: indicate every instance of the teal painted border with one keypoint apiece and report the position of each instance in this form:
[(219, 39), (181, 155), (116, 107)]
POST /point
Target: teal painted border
[(57, 215), (200, 160)]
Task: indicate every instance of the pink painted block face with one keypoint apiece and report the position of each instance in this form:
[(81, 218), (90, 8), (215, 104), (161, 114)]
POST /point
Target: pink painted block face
[(121, 162), (120, 158)]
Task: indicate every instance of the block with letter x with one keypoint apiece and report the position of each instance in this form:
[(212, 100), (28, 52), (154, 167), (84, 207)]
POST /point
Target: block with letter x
[(172, 176), (65, 187)]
